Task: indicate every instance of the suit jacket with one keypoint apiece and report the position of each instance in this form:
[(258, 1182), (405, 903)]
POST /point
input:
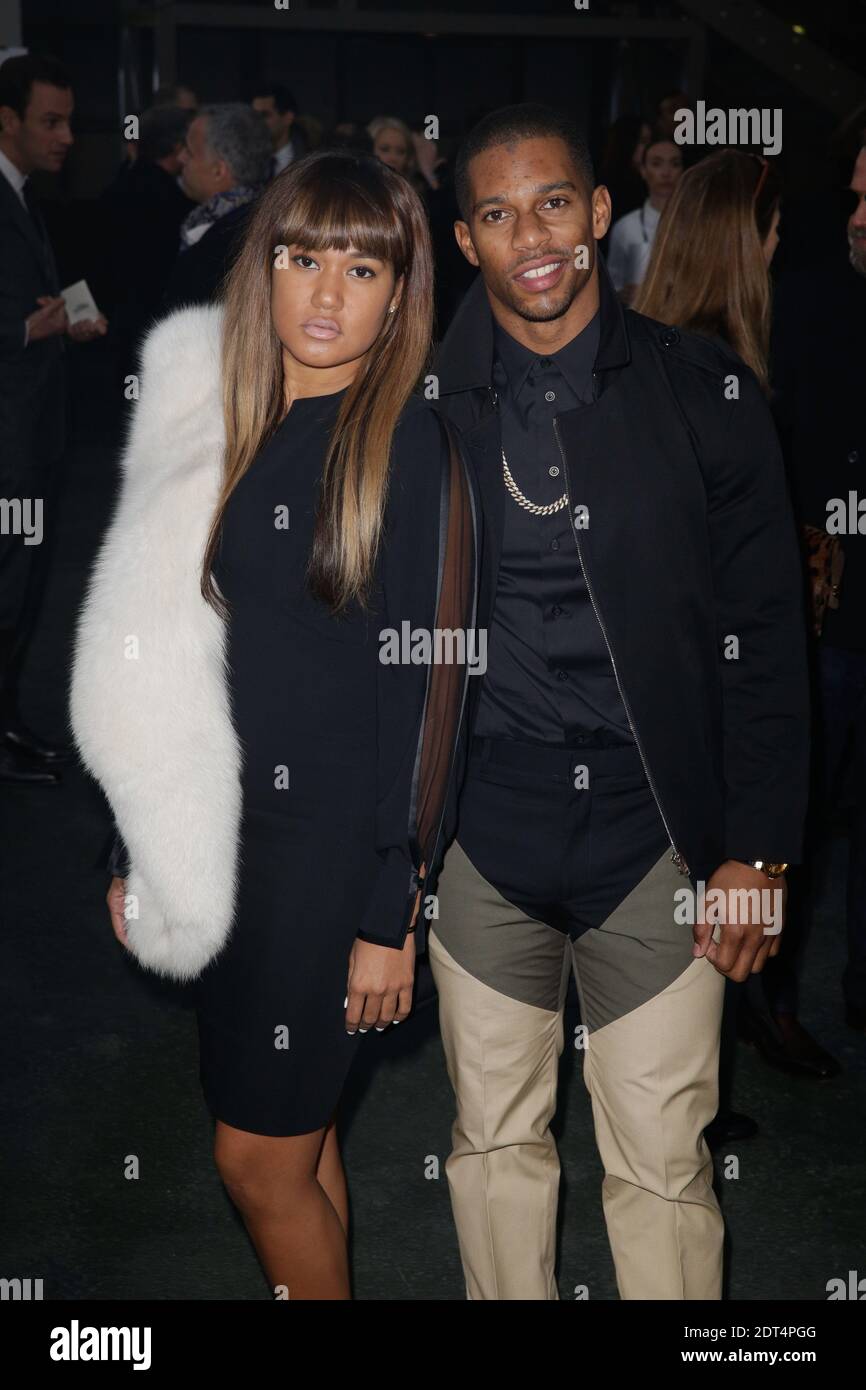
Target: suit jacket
[(32, 401), (199, 272), (687, 541), (141, 215)]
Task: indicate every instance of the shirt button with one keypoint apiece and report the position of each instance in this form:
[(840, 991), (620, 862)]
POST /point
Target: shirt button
[(556, 610), (550, 395), (853, 456), (544, 362), (553, 471), (562, 675), (554, 545)]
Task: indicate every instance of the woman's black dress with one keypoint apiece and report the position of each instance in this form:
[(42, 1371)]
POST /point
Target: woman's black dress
[(329, 737)]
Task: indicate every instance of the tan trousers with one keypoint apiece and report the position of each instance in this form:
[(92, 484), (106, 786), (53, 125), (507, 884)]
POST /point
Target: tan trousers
[(650, 1064)]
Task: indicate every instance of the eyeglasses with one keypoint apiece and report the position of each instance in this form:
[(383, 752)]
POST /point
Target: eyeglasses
[(762, 177)]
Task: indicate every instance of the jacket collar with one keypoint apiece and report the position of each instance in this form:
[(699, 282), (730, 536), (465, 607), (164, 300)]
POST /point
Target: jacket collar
[(464, 361)]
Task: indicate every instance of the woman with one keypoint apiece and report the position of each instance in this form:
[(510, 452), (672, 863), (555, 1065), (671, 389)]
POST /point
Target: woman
[(393, 144), (631, 237), (710, 273), (709, 268), (287, 505)]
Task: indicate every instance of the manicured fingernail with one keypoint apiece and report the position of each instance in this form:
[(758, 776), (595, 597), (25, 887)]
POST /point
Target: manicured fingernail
[(345, 1001), (351, 1032), (380, 1030), (396, 1021)]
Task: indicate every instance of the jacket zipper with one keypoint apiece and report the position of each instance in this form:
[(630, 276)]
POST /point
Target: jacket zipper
[(676, 856)]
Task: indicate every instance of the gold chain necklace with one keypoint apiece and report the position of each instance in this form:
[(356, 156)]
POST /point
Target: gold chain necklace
[(523, 501)]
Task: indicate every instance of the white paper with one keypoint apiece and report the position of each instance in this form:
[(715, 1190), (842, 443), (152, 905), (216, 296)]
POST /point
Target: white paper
[(79, 302)]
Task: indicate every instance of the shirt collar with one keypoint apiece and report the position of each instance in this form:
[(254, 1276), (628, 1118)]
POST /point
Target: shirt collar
[(651, 216), (575, 360), (283, 156), (13, 174)]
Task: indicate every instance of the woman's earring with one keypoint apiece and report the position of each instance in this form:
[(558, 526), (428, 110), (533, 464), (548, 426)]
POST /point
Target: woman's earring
[(392, 308)]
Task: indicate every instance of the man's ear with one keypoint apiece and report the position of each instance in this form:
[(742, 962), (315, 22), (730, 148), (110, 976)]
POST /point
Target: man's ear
[(9, 119), (602, 212), (464, 241)]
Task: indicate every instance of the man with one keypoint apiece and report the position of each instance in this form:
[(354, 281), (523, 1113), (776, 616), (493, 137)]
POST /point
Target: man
[(643, 717), (224, 165), (35, 134), (823, 428), (278, 108), (142, 213)]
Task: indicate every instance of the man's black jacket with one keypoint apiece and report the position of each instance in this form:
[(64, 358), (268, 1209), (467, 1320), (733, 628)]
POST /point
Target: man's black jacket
[(691, 558)]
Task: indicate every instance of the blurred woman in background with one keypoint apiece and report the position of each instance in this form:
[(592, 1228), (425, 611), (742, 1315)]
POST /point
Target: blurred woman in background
[(709, 270), (393, 144), (632, 237)]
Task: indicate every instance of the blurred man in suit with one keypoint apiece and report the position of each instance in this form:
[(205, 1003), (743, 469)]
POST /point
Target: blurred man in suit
[(276, 104), (35, 112), (224, 166), (143, 210)]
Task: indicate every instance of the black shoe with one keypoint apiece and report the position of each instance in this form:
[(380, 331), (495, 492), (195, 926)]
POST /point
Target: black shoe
[(855, 1017), (728, 1127), (784, 1043), (20, 739), (15, 767)]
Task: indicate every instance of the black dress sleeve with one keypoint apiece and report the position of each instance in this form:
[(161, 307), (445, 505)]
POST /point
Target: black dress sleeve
[(116, 855), (427, 586)]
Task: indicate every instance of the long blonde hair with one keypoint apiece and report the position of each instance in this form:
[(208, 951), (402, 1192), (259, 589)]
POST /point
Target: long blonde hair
[(707, 271), (329, 200)]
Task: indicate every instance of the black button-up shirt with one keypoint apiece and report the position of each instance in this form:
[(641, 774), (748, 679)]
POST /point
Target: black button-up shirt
[(549, 675)]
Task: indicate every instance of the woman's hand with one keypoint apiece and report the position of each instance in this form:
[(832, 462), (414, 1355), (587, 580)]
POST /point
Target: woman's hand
[(116, 899), (379, 989)]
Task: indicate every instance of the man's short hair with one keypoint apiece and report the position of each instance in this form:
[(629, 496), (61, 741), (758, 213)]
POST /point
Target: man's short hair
[(160, 131), (168, 96), (284, 98), (17, 76), (237, 134), (526, 120)]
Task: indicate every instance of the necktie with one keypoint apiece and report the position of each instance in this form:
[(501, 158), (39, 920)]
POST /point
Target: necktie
[(32, 203)]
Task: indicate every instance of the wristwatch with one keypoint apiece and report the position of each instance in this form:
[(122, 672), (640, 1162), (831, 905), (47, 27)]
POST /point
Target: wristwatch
[(764, 866)]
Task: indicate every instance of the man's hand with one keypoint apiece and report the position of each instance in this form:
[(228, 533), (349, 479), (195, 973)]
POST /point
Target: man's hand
[(48, 320), (749, 908), (379, 989), (85, 330)]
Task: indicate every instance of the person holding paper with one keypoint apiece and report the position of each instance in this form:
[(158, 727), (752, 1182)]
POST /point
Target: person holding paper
[(35, 113)]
